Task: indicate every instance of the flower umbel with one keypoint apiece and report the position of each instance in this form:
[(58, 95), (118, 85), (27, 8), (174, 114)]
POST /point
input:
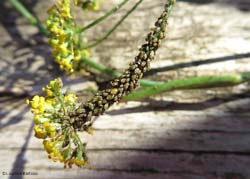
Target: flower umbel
[(63, 39), (60, 139)]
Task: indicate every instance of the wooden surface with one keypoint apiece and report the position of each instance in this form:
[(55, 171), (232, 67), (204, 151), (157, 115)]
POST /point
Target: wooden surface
[(195, 134)]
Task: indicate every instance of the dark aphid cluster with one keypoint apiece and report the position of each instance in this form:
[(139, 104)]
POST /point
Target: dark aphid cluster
[(128, 81)]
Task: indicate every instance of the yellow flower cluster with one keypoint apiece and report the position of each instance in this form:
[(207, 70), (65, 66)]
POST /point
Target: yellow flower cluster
[(53, 88), (41, 107), (58, 153), (42, 127), (61, 142), (45, 130), (38, 104), (63, 39), (70, 99), (77, 161), (53, 149), (40, 133)]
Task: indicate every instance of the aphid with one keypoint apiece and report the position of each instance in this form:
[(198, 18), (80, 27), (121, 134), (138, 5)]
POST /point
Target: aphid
[(96, 111), (110, 97), (126, 85), (106, 106), (114, 83), (143, 63), (114, 91), (120, 90), (99, 103), (123, 80), (137, 71)]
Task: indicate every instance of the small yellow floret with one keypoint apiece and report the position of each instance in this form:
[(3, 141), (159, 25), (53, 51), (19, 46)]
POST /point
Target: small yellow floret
[(39, 132), (91, 131), (48, 146), (70, 99)]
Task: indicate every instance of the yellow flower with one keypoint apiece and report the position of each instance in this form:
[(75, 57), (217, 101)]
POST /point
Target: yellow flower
[(49, 92), (39, 132), (35, 101), (54, 29), (56, 155), (53, 42), (48, 146), (46, 125), (70, 99), (37, 119), (50, 101), (61, 36), (52, 134), (51, 130), (64, 8), (52, 149), (96, 6), (38, 104), (77, 161), (91, 130), (63, 49), (65, 64), (65, 12)]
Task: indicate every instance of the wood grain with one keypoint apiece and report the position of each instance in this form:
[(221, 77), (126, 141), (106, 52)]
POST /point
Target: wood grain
[(194, 134)]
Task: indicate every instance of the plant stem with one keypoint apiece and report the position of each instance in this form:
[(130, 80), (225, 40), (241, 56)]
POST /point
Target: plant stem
[(100, 19), (114, 27), (20, 8), (128, 80), (115, 74), (62, 102), (189, 83)]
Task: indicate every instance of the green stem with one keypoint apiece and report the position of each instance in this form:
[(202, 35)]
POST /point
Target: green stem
[(20, 8), (99, 67), (104, 70), (170, 8), (114, 27), (100, 19), (189, 83), (62, 102)]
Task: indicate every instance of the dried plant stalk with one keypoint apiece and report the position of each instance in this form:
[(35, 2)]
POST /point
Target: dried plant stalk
[(82, 117)]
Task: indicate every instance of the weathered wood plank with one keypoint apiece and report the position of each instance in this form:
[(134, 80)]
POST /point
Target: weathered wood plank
[(150, 139), (181, 140), (139, 163), (204, 130), (106, 174), (228, 116)]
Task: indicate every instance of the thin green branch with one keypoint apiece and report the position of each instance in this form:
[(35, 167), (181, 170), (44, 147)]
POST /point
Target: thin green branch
[(100, 19), (189, 83), (20, 8), (114, 27)]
